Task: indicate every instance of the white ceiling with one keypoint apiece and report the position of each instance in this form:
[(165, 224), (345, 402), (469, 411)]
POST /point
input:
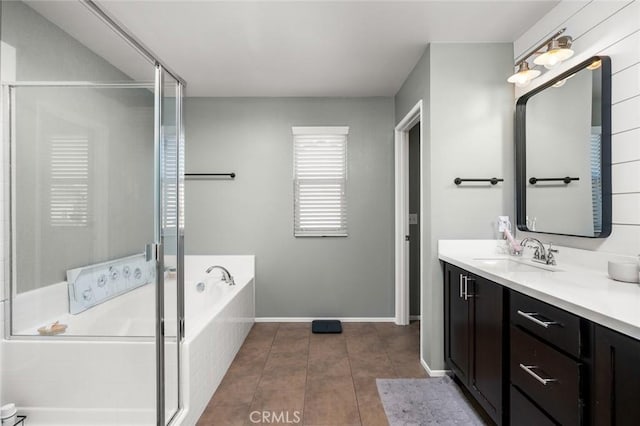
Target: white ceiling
[(298, 48)]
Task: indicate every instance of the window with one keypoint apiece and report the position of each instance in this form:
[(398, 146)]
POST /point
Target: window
[(170, 182), (320, 180), (596, 178), (69, 184)]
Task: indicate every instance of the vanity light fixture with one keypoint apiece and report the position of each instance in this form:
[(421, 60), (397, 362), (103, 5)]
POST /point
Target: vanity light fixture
[(524, 75), (557, 50)]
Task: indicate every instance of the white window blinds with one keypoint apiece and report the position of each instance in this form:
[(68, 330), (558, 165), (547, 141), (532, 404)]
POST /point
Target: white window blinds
[(320, 180), (170, 182), (69, 182), (596, 178)]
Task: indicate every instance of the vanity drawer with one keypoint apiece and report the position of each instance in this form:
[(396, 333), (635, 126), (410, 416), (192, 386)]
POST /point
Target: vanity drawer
[(558, 327), (525, 413), (548, 377)]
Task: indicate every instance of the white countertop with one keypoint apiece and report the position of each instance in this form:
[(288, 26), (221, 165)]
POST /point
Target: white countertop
[(580, 283)]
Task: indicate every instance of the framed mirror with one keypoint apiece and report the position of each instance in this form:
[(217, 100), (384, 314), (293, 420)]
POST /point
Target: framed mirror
[(563, 153)]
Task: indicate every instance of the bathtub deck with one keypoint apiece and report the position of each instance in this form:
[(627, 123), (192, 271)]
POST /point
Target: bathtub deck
[(324, 378)]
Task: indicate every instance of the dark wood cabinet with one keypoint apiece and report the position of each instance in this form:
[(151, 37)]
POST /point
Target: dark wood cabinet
[(486, 371), (616, 377), (474, 335), (527, 362), (458, 324)]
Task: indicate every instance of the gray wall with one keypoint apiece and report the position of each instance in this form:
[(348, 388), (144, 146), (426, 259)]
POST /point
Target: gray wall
[(253, 214), (118, 125), (470, 134), (414, 230)]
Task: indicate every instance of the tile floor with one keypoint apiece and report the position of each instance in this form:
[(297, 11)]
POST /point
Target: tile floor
[(291, 376)]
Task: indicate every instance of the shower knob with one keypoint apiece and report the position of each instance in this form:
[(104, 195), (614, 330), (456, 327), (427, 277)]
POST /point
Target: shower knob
[(102, 280), (137, 274), (114, 273), (87, 294), (126, 271)]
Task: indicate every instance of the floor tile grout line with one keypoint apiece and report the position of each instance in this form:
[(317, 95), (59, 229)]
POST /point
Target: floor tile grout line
[(393, 364), (264, 364), (353, 382), (306, 380)]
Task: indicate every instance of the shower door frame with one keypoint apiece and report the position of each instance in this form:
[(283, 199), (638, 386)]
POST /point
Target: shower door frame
[(153, 251)]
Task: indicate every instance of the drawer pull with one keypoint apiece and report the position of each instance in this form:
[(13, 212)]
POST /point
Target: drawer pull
[(531, 316), (460, 281), (529, 369)]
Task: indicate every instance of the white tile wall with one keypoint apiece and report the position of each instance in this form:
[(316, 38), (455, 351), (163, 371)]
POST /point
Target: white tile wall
[(609, 28), (627, 84), (625, 146)]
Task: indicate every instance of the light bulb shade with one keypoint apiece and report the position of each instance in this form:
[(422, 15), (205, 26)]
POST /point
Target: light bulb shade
[(553, 57), (558, 50), (524, 75), (560, 83), (595, 65)]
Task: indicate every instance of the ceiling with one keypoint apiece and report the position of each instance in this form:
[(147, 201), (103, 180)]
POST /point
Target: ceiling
[(296, 48)]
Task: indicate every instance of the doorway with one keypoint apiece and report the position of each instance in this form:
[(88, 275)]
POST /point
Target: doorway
[(409, 270), (414, 222)]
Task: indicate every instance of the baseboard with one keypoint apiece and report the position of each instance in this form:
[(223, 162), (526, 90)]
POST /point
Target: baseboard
[(433, 373), (415, 318), (306, 319)]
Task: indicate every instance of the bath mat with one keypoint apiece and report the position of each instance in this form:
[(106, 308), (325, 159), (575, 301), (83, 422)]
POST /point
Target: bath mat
[(434, 401), (326, 326)]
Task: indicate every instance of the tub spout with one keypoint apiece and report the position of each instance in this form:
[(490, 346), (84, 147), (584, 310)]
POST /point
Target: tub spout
[(226, 276)]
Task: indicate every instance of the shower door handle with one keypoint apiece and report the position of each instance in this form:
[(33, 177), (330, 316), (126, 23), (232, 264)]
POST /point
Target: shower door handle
[(152, 252)]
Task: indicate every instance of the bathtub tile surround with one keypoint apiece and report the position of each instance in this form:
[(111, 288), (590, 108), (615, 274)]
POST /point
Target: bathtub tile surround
[(284, 369), (217, 322)]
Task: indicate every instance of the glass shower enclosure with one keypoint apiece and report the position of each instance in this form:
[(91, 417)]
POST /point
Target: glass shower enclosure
[(93, 172)]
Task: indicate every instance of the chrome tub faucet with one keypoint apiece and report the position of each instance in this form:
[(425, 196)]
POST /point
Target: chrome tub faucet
[(226, 275)]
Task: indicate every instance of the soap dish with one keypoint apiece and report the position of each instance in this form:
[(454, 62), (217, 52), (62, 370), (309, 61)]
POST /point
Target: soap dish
[(626, 271)]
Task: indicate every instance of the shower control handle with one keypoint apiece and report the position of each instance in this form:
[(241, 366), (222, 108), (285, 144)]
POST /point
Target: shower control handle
[(152, 252)]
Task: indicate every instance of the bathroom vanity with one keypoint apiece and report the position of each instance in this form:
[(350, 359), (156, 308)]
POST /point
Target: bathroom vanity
[(541, 345)]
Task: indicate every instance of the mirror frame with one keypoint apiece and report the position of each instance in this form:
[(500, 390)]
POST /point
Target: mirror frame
[(521, 151)]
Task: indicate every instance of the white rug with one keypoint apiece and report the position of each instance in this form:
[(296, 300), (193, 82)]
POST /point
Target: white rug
[(435, 401)]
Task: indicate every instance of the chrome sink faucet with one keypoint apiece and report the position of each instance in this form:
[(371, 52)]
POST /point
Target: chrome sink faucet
[(226, 276), (541, 255)]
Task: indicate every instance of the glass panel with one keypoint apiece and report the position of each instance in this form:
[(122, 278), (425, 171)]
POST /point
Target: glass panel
[(170, 239), (82, 199)]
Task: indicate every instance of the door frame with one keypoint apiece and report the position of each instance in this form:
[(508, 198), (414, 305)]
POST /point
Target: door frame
[(401, 157)]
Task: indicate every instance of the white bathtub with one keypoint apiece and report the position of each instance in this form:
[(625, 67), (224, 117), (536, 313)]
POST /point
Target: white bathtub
[(111, 381)]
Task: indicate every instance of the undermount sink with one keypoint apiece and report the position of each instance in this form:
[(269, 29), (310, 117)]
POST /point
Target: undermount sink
[(510, 265)]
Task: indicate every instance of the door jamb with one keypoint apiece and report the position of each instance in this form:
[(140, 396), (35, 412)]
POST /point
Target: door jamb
[(401, 157)]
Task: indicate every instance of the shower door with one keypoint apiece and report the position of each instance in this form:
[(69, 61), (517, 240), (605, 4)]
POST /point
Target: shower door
[(95, 238), (171, 236)]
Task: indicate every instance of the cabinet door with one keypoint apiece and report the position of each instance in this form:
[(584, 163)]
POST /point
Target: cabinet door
[(616, 379), (486, 369), (457, 323)]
